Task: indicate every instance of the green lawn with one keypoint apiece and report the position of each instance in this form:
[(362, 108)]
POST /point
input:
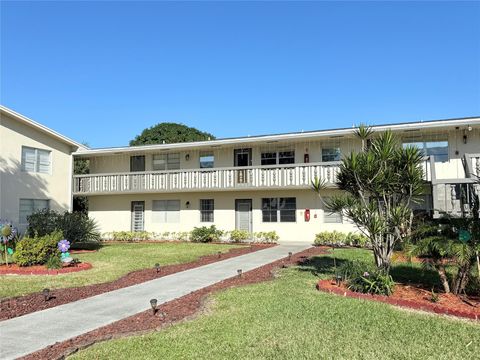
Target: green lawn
[(109, 263), (288, 319)]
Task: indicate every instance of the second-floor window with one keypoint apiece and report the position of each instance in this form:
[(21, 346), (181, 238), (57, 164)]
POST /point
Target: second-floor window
[(137, 163), (166, 161), (36, 160), (331, 154), (278, 157), (207, 160), (439, 149)]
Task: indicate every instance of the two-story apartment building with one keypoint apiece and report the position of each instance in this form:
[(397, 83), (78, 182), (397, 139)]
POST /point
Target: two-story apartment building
[(35, 168), (262, 183)]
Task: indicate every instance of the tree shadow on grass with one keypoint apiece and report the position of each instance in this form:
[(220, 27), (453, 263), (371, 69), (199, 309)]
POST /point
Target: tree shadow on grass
[(90, 245), (404, 273), (321, 265)]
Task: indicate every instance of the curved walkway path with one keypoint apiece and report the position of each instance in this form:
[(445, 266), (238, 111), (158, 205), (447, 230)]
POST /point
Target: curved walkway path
[(32, 332)]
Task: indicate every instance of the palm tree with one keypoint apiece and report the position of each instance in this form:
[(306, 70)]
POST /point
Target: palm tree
[(380, 184)]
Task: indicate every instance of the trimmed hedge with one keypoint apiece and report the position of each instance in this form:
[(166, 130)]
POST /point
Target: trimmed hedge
[(37, 250), (337, 238)]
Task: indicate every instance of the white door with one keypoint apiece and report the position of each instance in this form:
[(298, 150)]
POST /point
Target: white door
[(243, 214), (138, 218)]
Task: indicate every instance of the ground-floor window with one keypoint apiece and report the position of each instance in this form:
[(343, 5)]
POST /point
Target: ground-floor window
[(207, 206), (331, 217), (166, 211), (275, 209), (29, 206)]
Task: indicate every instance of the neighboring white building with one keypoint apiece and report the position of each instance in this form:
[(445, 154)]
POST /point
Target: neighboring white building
[(262, 183), (35, 168)]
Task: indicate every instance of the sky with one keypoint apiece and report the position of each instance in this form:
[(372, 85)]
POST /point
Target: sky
[(101, 72)]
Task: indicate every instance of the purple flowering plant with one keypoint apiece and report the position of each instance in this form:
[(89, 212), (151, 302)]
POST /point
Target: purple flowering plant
[(63, 245)]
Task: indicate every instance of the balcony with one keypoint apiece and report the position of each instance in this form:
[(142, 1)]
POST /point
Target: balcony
[(216, 179)]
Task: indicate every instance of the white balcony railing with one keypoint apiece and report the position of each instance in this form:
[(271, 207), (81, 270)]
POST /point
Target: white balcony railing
[(473, 165), (216, 179)]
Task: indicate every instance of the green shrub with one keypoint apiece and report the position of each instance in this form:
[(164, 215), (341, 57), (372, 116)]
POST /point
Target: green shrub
[(354, 269), (239, 235), (337, 238), (357, 239), (53, 262), (206, 234), (76, 226), (130, 235), (266, 236), (330, 238), (375, 283), (183, 235), (37, 250), (43, 222)]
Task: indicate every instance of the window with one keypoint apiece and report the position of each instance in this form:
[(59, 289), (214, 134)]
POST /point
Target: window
[(269, 210), (166, 161), (329, 217), (439, 149), (207, 206), (331, 154), (29, 206), (207, 160), (274, 209), (166, 211), (284, 157), (36, 160), (269, 158), (137, 163)]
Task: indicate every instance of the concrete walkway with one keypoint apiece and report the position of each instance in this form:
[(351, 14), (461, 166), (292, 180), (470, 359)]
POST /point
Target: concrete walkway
[(25, 334)]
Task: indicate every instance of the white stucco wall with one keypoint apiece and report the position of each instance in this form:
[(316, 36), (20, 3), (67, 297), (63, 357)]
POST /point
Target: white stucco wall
[(113, 213), (16, 184)]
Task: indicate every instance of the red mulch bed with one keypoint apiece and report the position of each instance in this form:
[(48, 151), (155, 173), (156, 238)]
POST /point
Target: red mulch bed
[(14, 269), (18, 306), (169, 313), (412, 297)]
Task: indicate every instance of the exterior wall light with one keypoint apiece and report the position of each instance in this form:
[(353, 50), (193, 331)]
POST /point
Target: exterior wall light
[(153, 304), (187, 204), (187, 157)]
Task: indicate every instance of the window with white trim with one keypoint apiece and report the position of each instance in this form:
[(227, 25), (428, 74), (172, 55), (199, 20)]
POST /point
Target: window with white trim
[(165, 211), (36, 160), (331, 217), (207, 160), (278, 157), (169, 161), (29, 206), (279, 209), (439, 149), (207, 207), (331, 154)]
